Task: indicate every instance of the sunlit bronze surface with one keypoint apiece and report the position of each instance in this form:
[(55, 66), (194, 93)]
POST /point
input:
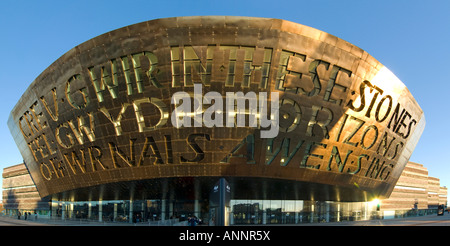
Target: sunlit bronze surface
[(98, 119)]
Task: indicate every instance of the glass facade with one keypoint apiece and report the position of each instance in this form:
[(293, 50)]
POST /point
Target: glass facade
[(138, 211), (297, 212), (240, 212)]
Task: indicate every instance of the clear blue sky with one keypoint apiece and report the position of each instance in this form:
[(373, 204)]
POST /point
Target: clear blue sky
[(411, 38)]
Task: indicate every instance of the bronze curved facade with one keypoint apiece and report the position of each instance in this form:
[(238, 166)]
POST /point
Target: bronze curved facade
[(98, 120)]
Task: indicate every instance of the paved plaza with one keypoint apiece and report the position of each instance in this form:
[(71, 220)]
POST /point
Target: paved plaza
[(429, 220)]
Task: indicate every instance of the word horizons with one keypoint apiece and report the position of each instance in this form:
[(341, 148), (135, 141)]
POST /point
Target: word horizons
[(190, 67)]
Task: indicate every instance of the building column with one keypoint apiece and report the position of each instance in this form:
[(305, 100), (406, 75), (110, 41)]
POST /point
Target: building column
[(196, 208), (115, 212), (232, 218), (55, 206), (63, 212), (264, 217), (196, 197), (100, 211), (366, 208), (163, 209), (89, 210), (130, 215), (70, 208), (165, 194), (338, 217), (143, 212), (170, 208)]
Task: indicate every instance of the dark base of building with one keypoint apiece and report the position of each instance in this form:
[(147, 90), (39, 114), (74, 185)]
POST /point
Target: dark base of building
[(199, 188), (250, 201)]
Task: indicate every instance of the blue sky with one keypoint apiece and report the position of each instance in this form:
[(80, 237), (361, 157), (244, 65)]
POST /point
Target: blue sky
[(411, 38)]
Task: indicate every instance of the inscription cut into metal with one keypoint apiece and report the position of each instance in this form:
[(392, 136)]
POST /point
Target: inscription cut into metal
[(343, 118)]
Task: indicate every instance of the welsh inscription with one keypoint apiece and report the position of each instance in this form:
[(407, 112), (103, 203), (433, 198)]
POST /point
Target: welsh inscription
[(354, 130)]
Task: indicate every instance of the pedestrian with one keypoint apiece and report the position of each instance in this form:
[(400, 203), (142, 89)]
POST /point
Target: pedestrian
[(35, 215), (192, 221), (18, 215), (26, 215)]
